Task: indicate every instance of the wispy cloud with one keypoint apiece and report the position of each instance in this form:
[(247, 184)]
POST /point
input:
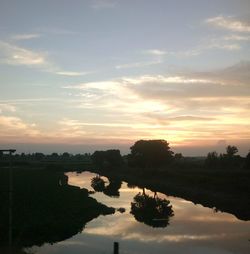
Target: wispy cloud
[(7, 107), (20, 37), (162, 101), (228, 43), (71, 73), (12, 127), (218, 44), (236, 37), (138, 64), (155, 52), (229, 23), (180, 53), (14, 55), (180, 107)]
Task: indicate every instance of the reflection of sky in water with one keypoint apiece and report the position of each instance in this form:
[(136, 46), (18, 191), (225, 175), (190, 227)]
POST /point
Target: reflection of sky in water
[(193, 229)]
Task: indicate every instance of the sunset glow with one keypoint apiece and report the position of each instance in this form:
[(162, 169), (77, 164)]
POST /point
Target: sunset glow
[(108, 73)]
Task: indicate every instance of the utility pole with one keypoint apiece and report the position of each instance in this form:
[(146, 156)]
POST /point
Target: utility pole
[(10, 151)]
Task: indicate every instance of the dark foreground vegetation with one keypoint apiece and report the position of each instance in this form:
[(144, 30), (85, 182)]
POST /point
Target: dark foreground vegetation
[(46, 209)]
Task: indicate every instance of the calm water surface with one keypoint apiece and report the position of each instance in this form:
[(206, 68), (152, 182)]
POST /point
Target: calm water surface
[(192, 229)]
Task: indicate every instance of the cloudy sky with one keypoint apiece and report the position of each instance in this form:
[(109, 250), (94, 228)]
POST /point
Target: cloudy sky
[(87, 74)]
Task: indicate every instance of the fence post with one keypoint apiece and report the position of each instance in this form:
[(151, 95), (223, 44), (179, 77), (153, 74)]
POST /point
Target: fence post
[(116, 248)]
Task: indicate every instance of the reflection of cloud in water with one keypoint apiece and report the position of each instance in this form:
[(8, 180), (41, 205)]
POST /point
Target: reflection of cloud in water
[(93, 244)]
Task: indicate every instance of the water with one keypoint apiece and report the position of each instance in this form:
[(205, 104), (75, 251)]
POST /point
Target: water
[(192, 229)]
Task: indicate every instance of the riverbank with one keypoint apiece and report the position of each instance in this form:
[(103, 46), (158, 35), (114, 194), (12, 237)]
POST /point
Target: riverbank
[(223, 190), (226, 190)]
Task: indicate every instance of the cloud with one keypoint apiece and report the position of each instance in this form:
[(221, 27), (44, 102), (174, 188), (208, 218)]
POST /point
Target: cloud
[(14, 128), (7, 107), (181, 53), (20, 37), (219, 45), (229, 82), (182, 107), (237, 75), (137, 64), (71, 73), (236, 37), (14, 55), (229, 43), (165, 119), (229, 23), (155, 52)]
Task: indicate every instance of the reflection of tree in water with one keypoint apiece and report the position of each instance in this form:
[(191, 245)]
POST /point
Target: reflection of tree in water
[(45, 208), (131, 186), (111, 190), (98, 184), (153, 211)]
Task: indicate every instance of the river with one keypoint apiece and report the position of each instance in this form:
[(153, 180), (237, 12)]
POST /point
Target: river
[(192, 228)]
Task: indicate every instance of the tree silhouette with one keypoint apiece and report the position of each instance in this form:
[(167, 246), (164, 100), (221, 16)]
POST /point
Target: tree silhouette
[(98, 184), (152, 211), (112, 190), (150, 153), (231, 151), (109, 158), (247, 162), (212, 159)]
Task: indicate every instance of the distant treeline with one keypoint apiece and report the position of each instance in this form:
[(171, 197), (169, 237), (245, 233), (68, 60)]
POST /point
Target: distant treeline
[(145, 154), (40, 157), (230, 159)]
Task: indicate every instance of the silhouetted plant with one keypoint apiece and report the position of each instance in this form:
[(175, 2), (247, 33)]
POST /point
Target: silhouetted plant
[(228, 160), (212, 160), (247, 161), (150, 153), (98, 158), (109, 158), (152, 211), (112, 190), (98, 184), (113, 157), (178, 156), (231, 151)]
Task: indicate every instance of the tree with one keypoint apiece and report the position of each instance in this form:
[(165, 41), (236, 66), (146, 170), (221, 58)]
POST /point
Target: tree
[(153, 211), (109, 158), (230, 159), (247, 162), (212, 159), (65, 156), (178, 156), (98, 184), (98, 158), (231, 151), (112, 190), (113, 157), (150, 153)]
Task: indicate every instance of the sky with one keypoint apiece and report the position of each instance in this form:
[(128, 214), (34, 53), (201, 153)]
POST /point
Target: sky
[(84, 75)]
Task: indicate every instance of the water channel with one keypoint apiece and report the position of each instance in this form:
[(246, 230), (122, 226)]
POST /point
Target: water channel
[(190, 228)]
